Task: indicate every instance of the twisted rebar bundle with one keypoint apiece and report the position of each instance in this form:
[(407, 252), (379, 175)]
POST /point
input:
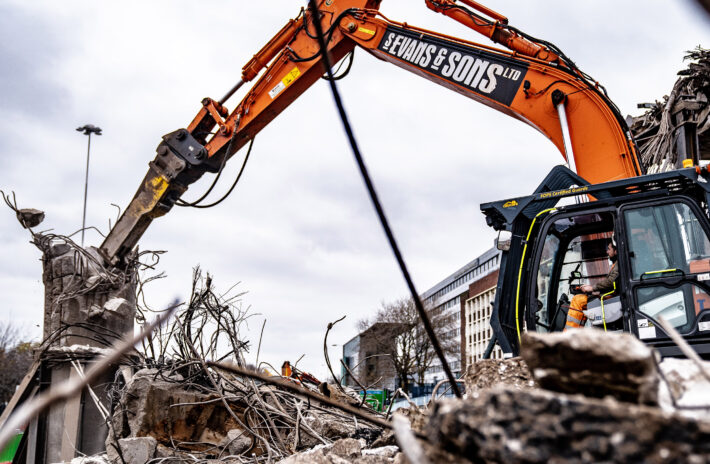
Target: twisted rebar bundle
[(655, 130)]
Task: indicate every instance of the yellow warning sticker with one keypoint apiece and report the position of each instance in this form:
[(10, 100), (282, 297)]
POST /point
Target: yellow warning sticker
[(290, 77), (366, 31), (285, 82)]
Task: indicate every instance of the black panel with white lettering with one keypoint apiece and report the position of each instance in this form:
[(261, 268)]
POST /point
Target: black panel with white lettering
[(487, 74)]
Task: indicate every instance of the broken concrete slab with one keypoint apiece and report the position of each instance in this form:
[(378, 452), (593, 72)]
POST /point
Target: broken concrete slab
[(486, 373), (332, 428), (593, 363), (30, 217), (417, 417), (382, 451), (347, 448), (346, 451), (160, 407), (78, 287), (537, 426), (100, 459), (237, 442), (137, 450), (685, 388), (386, 438)]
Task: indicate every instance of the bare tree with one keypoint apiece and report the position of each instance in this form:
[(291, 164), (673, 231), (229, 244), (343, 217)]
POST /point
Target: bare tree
[(407, 345), (15, 360)]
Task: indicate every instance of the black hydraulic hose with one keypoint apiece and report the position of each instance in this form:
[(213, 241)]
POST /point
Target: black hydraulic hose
[(329, 33), (229, 192), (376, 203), (347, 68), (183, 203)]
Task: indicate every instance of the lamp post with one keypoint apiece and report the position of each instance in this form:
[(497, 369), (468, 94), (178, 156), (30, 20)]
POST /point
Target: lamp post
[(87, 129)]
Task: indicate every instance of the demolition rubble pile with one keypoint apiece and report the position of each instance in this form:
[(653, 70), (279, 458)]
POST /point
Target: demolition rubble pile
[(673, 128), (189, 395), (594, 397), (164, 415), (168, 402), (180, 406), (580, 396)]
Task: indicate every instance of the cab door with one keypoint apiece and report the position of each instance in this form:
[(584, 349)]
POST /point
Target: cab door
[(667, 255), (570, 251)]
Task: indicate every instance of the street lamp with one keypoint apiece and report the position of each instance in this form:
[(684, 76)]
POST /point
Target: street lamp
[(87, 129)]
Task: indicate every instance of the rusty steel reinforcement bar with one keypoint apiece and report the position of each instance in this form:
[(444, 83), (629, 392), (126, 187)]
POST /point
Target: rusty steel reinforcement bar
[(287, 385)]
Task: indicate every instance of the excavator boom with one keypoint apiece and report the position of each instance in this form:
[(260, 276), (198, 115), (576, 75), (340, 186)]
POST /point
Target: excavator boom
[(532, 82)]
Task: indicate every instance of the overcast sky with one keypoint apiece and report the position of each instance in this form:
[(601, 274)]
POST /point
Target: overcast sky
[(298, 234)]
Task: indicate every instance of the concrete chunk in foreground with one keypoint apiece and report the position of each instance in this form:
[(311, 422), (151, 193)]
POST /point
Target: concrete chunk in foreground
[(593, 363), (506, 425)]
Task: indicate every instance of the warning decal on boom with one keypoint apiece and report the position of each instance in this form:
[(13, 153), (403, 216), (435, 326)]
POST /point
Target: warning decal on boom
[(488, 74)]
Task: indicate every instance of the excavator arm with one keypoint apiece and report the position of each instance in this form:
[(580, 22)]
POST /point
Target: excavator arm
[(533, 82)]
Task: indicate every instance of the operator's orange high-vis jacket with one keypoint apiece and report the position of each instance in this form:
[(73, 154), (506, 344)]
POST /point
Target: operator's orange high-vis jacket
[(575, 315)]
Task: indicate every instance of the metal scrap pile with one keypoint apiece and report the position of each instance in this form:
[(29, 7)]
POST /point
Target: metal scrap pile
[(181, 406), (673, 128)]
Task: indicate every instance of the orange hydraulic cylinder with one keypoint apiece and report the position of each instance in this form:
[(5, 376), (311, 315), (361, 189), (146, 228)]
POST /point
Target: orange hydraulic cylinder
[(486, 11), (493, 30), (269, 51)]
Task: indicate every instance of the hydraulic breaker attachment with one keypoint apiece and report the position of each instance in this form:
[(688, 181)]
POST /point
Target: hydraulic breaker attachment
[(180, 161)]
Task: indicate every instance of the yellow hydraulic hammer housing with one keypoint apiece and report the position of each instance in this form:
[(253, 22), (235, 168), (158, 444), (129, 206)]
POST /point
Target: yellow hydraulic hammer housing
[(181, 159)]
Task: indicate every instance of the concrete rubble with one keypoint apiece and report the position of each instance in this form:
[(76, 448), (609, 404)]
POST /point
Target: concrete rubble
[(347, 450), (580, 396), (163, 410), (163, 417), (583, 362), (673, 128), (601, 399), (587, 397), (685, 389), (487, 373), (507, 425)]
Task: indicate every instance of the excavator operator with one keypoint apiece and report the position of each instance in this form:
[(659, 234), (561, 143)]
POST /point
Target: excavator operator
[(575, 315)]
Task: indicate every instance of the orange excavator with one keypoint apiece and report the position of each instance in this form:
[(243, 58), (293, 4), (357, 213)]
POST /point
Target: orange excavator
[(545, 246), (533, 82)]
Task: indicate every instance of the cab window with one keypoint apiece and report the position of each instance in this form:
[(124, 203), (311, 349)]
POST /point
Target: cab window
[(666, 237), (573, 254), (544, 274), (680, 306), (667, 242)]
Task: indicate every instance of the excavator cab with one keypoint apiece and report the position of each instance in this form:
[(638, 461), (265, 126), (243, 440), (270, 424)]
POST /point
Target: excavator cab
[(660, 226), (572, 253)]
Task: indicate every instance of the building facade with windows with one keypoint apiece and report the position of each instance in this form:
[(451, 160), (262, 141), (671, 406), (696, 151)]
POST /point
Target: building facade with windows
[(366, 358), (463, 300), (476, 311), (449, 299)]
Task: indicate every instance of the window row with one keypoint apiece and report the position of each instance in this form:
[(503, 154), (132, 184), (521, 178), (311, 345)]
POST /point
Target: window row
[(485, 267)]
